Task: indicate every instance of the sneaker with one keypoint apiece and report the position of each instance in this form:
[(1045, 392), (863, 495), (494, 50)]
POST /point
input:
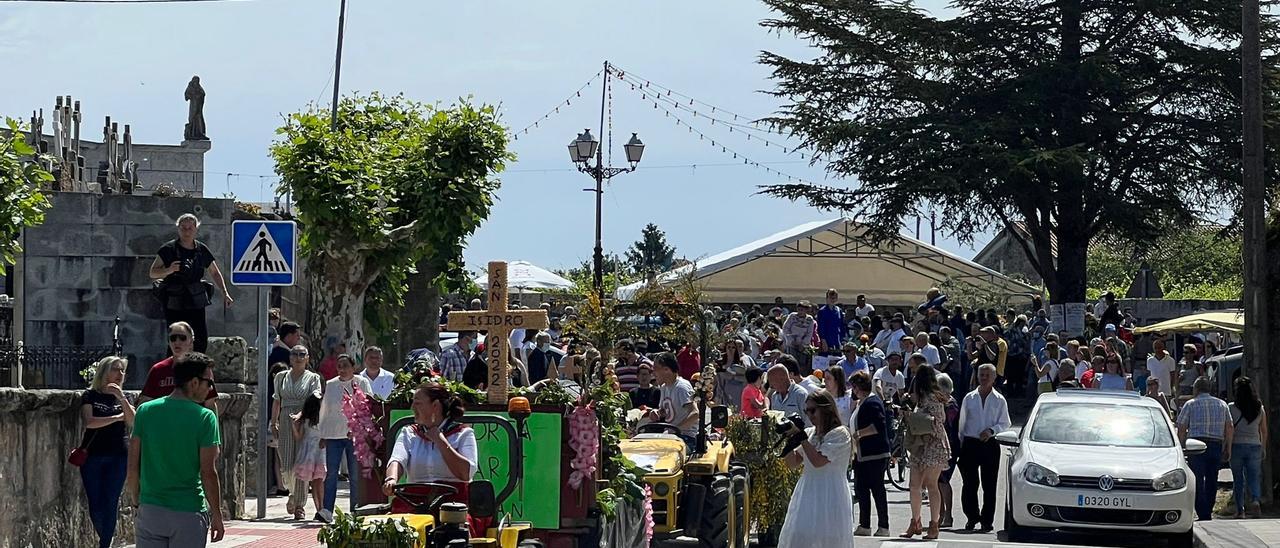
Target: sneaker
[(1255, 509), (324, 516), (946, 523), (862, 532), (881, 532)]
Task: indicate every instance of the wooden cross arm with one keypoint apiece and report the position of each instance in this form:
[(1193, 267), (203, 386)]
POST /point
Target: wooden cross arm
[(483, 320)]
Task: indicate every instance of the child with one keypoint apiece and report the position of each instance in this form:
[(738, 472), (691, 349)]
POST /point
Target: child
[(752, 397), (309, 466)]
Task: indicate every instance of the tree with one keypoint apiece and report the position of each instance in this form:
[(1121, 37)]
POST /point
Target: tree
[(651, 255), (21, 203), (396, 184), (1077, 117), (1198, 263)]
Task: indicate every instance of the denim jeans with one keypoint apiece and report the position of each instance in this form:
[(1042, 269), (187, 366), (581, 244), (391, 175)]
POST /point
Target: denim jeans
[(334, 450), (1205, 469), (1246, 472), (103, 477)]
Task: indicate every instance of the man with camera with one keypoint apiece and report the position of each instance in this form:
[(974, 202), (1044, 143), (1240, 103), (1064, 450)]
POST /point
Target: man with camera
[(179, 270), (987, 347)]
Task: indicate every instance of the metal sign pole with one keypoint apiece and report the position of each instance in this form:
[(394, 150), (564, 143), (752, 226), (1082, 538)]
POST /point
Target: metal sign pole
[(264, 406)]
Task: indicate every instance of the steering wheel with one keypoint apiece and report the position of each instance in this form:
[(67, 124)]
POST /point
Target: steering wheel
[(660, 428), (425, 497)]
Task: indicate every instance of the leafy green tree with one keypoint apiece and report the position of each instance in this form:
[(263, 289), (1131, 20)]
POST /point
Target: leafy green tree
[(651, 255), (22, 204), (1076, 117), (617, 273), (1200, 263), (398, 184)]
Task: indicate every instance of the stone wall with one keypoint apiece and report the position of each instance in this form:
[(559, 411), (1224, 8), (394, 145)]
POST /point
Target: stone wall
[(88, 263), (42, 501)]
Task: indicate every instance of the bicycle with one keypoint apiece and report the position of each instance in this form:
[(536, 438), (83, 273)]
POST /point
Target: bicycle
[(896, 471)]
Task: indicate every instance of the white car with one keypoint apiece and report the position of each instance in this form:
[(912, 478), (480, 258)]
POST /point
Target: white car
[(1096, 460)]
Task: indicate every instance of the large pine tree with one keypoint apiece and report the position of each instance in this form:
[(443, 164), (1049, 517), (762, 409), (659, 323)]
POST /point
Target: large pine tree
[(1075, 117), (651, 255)]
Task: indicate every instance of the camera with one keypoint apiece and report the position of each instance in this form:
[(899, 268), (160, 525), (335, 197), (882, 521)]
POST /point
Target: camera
[(790, 441)]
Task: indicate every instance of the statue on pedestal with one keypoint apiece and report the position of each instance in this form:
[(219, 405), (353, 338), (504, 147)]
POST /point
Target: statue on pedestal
[(195, 130)]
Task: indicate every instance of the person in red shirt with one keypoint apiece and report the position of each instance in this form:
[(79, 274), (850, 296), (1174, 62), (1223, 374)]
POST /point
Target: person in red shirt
[(689, 360), (1089, 379), (753, 401), (329, 365), (160, 379)]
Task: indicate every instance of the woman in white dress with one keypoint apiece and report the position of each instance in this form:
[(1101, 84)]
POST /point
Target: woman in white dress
[(823, 484)]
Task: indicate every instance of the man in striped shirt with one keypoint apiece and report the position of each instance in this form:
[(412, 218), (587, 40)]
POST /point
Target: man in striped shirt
[(627, 365), (453, 360)]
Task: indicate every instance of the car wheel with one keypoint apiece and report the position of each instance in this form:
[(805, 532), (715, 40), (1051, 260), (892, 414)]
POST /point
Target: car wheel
[(1182, 540)]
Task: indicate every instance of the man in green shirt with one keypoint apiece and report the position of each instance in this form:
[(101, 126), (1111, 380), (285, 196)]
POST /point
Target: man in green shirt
[(171, 462)]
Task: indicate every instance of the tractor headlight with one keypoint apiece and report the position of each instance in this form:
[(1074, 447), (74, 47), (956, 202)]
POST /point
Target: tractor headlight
[(661, 489), (1035, 473), (1174, 479)]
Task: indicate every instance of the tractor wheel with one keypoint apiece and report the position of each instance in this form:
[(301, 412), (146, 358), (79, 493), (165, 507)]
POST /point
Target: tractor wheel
[(741, 490), (714, 531)]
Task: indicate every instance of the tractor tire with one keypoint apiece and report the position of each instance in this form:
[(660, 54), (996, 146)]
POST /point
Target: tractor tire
[(714, 531), (741, 492)]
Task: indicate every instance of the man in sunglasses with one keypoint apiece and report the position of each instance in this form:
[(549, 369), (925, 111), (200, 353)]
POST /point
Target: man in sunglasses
[(172, 462), (160, 380)]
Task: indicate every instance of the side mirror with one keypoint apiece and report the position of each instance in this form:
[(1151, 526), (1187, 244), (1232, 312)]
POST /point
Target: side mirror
[(1194, 447), (719, 416), (1008, 438)]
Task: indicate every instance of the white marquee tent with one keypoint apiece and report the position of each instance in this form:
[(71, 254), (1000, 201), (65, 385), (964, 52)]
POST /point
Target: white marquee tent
[(802, 262), (524, 276)]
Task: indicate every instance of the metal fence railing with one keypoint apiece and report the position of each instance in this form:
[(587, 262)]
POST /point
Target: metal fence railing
[(52, 366)]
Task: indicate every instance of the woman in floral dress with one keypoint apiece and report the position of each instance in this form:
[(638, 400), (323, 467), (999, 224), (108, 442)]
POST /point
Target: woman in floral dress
[(930, 451), (292, 388)]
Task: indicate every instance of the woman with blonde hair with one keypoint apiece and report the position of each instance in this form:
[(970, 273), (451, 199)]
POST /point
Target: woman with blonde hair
[(107, 416), (825, 456)]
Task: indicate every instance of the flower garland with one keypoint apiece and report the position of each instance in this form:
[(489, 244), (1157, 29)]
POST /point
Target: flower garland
[(584, 439), (364, 432), (646, 514)]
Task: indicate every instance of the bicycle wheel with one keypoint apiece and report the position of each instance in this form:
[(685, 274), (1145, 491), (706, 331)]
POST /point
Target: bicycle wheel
[(897, 473)]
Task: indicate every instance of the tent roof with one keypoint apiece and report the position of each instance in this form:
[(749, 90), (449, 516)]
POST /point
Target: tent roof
[(802, 262), (524, 275), (1221, 320)]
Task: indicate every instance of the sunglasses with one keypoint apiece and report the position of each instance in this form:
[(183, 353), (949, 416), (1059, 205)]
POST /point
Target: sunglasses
[(303, 354), (207, 381), (176, 337)]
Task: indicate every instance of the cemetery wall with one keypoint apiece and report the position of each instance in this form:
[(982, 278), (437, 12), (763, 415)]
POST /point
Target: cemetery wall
[(88, 264), (179, 165)]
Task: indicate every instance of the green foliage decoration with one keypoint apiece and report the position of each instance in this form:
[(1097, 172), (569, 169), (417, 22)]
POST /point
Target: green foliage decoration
[(1203, 262), (352, 531), (22, 205), (772, 481)]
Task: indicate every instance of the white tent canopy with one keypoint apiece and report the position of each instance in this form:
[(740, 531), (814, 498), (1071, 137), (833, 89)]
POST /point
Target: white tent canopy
[(803, 262), (529, 277)]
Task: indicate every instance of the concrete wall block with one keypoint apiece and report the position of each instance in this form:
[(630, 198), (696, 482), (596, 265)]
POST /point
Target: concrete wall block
[(67, 304), (161, 211), (69, 208), (75, 240), (59, 272), (122, 272), (228, 355)]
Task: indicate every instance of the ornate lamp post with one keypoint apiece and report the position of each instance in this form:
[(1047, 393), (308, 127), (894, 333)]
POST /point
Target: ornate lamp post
[(581, 151)]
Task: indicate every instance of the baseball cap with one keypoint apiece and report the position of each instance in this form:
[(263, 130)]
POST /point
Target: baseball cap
[(1110, 327)]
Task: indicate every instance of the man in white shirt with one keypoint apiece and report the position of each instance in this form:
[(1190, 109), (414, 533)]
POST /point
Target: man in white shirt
[(381, 381), (863, 309), (786, 396), (983, 414), (890, 340), (1160, 366), (677, 405), (930, 351), (336, 435), (889, 380)]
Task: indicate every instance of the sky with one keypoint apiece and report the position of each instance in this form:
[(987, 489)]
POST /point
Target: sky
[(261, 59)]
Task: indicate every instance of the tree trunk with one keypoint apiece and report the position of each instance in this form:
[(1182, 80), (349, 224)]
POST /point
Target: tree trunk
[(339, 298), (420, 320)]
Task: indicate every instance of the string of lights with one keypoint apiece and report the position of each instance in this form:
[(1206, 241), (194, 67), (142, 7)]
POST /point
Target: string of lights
[(690, 106), (671, 111), (643, 82), (515, 135)]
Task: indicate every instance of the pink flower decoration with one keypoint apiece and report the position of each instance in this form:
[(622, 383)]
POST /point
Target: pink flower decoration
[(364, 432), (584, 439), (648, 513)]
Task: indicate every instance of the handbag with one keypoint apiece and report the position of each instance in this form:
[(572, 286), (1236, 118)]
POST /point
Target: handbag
[(79, 455), (919, 423)]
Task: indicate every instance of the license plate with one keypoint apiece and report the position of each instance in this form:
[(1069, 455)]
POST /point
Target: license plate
[(1102, 501)]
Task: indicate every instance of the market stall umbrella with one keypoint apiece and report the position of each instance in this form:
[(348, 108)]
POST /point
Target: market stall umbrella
[(1220, 320), (526, 276)]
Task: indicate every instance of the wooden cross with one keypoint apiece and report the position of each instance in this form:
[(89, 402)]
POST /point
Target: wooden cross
[(499, 322)]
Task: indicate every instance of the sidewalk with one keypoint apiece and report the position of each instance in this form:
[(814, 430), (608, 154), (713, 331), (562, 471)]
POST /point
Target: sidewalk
[(277, 530), (1238, 533)]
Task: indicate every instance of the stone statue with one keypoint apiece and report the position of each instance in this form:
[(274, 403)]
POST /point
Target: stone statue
[(195, 130)]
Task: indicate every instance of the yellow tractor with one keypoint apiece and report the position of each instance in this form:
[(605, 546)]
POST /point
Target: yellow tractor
[(696, 495)]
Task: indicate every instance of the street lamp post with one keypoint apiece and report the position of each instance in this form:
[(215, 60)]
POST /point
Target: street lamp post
[(580, 151)]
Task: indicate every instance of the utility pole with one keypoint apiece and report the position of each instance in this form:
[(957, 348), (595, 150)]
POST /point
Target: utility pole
[(1255, 220), (337, 66)]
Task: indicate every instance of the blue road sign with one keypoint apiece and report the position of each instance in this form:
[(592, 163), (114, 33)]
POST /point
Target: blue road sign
[(263, 252)]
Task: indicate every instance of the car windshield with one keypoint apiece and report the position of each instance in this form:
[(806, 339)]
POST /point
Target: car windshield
[(1101, 424)]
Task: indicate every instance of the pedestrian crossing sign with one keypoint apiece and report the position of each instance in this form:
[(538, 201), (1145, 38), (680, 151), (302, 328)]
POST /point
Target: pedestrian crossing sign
[(263, 252)]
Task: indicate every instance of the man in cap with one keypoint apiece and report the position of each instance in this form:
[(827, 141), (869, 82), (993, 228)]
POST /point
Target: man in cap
[(987, 347)]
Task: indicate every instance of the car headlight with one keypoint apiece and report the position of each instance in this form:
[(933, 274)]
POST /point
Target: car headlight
[(1174, 479), (1035, 473)]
